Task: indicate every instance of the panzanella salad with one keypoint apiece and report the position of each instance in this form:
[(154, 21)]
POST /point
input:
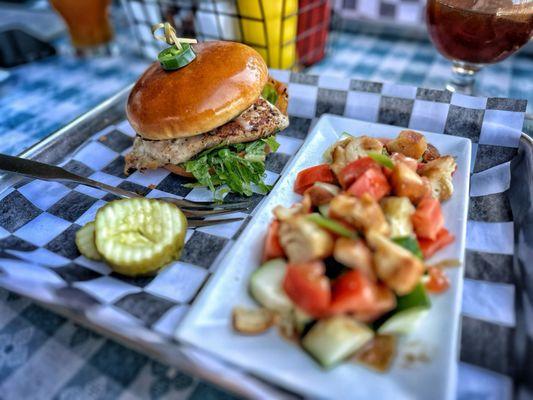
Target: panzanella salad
[(344, 270)]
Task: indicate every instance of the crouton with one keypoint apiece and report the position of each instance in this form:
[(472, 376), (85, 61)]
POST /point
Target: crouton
[(409, 143), (252, 321), (321, 193), (430, 154), (398, 211), (354, 253), (363, 213), (439, 173), (352, 148), (407, 183), (400, 269), (303, 241)]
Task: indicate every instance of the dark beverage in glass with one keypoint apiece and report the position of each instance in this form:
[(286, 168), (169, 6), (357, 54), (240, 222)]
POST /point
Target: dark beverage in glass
[(472, 33)]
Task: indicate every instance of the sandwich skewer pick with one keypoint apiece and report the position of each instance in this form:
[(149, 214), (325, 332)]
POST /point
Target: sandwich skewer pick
[(179, 54)]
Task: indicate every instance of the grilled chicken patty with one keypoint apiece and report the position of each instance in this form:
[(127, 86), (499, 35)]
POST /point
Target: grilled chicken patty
[(259, 121)]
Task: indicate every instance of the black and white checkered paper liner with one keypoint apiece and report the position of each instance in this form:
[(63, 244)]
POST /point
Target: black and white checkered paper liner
[(38, 219)]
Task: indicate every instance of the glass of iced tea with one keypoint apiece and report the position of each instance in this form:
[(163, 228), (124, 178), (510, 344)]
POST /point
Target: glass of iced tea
[(474, 33), (88, 24)]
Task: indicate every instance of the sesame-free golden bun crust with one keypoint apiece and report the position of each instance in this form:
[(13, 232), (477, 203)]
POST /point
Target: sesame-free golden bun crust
[(224, 80)]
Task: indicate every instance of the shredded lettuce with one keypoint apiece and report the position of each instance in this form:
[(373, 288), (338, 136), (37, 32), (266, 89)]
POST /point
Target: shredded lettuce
[(237, 166)]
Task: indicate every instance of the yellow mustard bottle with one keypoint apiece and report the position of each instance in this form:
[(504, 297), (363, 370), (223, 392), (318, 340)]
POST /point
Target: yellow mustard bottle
[(270, 27)]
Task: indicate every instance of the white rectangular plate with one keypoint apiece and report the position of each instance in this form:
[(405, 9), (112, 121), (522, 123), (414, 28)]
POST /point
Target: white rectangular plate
[(208, 324)]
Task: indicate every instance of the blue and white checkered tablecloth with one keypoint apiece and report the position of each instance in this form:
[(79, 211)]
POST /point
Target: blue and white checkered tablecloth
[(417, 63), (39, 98), (45, 356)]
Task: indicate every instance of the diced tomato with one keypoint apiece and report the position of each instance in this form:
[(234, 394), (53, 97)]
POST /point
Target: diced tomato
[(307, 177), (355, 293), (430, 247), (272, 247), (352, 292), (428, 219), (308, 287), (438, 281), (373, 182), (355, 169), (384, 301)]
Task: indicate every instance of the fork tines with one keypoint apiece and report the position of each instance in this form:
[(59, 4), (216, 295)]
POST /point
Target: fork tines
[(194, 211), (197, 214), (196, 223), (182, 203)]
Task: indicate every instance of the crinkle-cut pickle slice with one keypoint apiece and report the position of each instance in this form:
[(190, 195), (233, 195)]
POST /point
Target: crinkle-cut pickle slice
[(85, 242), (139, 236)]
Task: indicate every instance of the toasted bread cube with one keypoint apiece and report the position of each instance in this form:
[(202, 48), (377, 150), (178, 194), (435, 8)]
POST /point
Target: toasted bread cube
[(303, 240), (321, 193), (439, 173), (410, 162), (407, 183), (363, 213), (252, 321), (409, 143), (354, 253), (397, 267), (352, 148), (398, 211), (430, 154)]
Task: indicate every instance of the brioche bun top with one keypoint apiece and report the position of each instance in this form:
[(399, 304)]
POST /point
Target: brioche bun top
[(222, 81)]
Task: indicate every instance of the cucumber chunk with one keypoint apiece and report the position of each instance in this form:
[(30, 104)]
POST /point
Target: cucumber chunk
[(410, 310), (301, 319), (333, 339), (324, 210), (139, 236), (85, 242), (403, 322), (266, 286)]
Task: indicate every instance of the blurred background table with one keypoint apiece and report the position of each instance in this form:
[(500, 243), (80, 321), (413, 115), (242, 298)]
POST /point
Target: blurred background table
[(40, 97), (43, 355)]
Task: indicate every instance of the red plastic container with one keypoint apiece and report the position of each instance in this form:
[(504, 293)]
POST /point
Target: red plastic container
[(312, 34)]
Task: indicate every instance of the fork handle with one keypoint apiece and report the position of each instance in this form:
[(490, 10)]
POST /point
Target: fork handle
[(48, 172)]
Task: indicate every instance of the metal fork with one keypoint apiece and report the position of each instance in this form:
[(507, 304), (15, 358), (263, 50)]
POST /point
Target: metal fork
[(192, 210)]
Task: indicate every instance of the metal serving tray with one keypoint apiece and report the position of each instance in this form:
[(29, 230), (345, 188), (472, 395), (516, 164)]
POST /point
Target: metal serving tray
[(311, 97)]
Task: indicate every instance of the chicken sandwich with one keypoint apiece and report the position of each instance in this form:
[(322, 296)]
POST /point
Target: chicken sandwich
[(213, 120)]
